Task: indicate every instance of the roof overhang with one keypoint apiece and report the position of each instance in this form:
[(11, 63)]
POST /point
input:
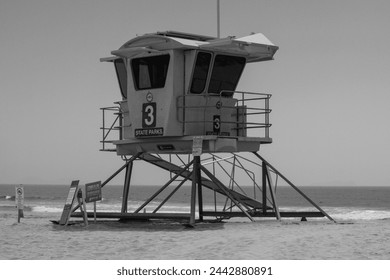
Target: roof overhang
[(255, 47), (109, 59)]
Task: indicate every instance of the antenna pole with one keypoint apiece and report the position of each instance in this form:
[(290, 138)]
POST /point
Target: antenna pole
[(218, 21)]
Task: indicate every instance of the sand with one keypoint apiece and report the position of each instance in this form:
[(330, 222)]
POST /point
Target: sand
[(35, 238)]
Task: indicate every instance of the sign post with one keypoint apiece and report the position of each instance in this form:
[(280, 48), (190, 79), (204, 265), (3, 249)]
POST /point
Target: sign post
[(69, 202), (74, 192), (93, 193), (19, 191), (81, 205)]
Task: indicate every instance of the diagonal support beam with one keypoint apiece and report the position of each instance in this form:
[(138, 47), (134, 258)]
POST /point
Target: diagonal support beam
[(164, 187), (293, 186), (270, 184), (126, 165), (172, 193), (120, 169), (207, 183), (223, 189)]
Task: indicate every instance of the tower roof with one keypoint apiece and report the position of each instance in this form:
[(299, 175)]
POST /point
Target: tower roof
[(255, 47)]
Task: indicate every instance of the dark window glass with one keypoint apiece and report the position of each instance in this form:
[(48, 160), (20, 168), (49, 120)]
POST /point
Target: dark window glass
[(226, 73), (121, 73), (201, 70), (150, 72)]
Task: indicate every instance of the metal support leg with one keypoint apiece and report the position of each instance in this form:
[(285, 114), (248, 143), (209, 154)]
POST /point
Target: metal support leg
[(294, 187), (195, 172), (270, 184), (171, 194), (163, 187), (264, 186), (200, 194), (120, 169), (126, 187), (224, 190)]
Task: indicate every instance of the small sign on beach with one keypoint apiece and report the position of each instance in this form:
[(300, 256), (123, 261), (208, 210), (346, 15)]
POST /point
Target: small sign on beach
[(69, 202), (93, 192), (74, 193), (19, 199), (197, 146)]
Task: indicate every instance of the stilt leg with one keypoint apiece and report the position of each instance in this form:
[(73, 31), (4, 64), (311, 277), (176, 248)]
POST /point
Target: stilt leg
[(126, 187), (264, 187), (200, 194), (292, 185), (270, 184), (195, 172)]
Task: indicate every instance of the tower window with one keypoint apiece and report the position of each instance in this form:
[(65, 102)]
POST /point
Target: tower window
[(150, 72), (201, 70), (121, 73), (226, 73)]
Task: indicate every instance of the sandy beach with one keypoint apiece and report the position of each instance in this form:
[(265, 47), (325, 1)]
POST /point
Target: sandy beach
[(36, 238)]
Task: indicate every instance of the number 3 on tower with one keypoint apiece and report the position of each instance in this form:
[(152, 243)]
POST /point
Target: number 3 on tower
[(149, 114)]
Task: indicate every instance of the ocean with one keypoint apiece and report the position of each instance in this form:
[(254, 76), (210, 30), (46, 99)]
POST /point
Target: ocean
[(361, 232), (341, 203)]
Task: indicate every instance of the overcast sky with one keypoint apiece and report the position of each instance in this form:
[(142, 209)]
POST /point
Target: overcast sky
[(329, 80)]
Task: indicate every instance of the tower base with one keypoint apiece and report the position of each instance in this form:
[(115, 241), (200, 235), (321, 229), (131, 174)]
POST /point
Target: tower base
[(230, 198)]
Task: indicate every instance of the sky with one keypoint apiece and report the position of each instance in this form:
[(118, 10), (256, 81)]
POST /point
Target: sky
[(329, 82)]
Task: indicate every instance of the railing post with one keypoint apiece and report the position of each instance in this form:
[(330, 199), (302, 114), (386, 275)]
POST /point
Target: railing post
[(121, 128), (267, 117), (103, 128)]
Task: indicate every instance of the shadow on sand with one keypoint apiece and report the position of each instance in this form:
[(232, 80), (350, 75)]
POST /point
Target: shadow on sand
[(147, 226)]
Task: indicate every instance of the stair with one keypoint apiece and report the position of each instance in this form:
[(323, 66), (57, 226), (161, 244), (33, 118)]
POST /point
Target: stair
[(221, 189)]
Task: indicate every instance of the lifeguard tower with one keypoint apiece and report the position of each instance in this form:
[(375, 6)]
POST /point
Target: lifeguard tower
[(179, 110)]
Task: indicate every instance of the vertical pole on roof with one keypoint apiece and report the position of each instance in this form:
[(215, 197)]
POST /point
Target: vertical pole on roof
[(218, 20)]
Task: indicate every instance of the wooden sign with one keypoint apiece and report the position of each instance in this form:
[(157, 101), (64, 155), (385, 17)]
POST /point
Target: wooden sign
[(93, 192), (73, 190), (19, 199)]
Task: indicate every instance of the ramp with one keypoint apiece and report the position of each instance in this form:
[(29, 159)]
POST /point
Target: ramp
[(248, 202)]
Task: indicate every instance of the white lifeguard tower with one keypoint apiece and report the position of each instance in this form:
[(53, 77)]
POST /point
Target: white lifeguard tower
[(179, 102), (176, 86)]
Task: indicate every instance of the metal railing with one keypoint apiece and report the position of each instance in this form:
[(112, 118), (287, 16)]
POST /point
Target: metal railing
[(248, 108), (249, 111), (111, 123), (261, 100)]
